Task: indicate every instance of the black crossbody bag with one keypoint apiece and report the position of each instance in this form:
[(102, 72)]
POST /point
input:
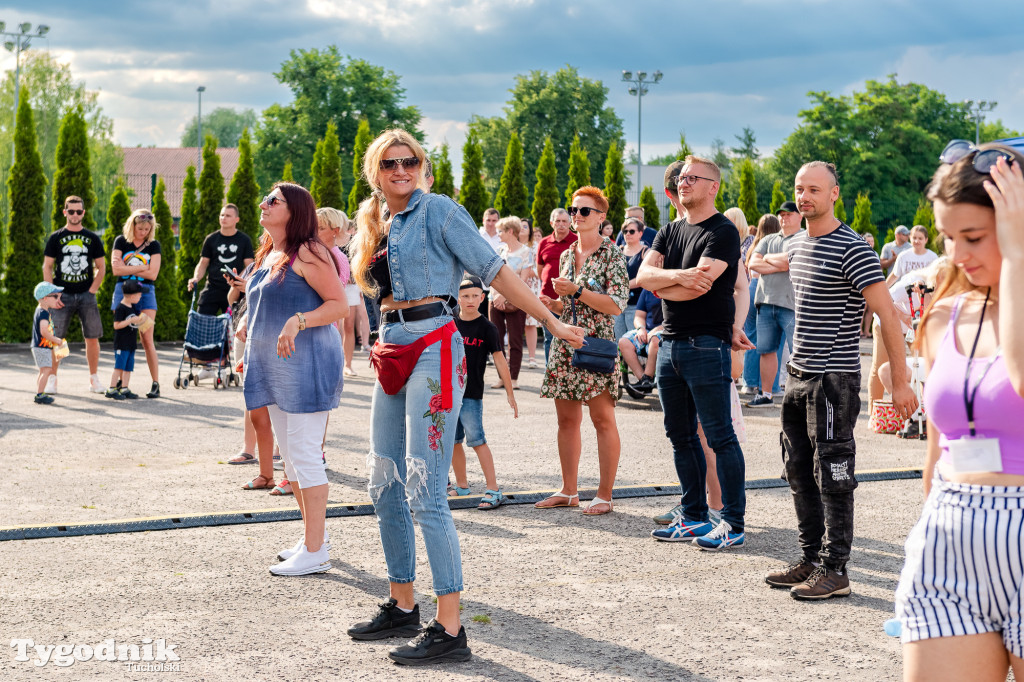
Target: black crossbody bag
[(597, 354)]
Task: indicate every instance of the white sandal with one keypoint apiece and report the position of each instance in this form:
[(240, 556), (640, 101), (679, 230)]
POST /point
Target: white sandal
[(595, 502), (568, 501)]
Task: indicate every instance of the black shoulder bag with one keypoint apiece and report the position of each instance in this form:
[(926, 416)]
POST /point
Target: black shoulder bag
[(597, 354)]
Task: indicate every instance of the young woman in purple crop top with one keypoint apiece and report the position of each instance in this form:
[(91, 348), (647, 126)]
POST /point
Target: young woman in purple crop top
[(959, 597)]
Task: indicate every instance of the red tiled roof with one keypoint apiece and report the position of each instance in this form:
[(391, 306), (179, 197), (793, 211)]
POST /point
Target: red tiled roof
[(140, 163)]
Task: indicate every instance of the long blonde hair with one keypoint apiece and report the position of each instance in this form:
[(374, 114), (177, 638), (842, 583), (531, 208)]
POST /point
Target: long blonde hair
[(735, 214), (129, 227), (369, 219)]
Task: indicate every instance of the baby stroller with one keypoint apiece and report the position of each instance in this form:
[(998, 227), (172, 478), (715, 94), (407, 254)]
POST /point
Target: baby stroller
[(207, 346)]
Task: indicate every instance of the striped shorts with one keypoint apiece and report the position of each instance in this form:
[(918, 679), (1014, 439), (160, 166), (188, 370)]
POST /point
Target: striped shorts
[(965, 566)]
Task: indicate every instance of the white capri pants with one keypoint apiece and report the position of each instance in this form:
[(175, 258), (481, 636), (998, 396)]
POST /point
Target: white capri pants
[(964, 568), (299, 437)]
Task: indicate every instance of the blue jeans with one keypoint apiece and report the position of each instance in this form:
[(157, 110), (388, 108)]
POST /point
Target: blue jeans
[(624, 322), (470, 429), (548, 338), (693, 382), (409, 466), (751, 360), (775, 324)]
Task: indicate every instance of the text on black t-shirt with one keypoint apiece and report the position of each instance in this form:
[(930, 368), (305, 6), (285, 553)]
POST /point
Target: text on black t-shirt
[(73, 254), (480, 337)]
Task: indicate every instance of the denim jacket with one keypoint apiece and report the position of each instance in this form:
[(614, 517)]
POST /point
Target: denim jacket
[(431, 243)]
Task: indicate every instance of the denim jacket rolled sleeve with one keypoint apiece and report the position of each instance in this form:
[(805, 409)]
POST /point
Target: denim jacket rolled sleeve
[(431, 244)]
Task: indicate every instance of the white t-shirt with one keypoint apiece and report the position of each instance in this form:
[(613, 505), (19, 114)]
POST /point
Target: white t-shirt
[(900, 298), (908, 261), (494, 241)]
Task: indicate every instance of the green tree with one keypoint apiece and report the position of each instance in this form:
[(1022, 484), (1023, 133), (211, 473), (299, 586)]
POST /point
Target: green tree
[(211, 188), (995, 130), (615, 185), (678, 155), (170, 322), (840, 209), (513, 197), (360, 186), (331, 190), (720, 203), (862, 218), (26, 186), (748, 192), (327, 86), (579, 169), (190, 232), (545, 191), (563, 106), (444, 177), (117, 215), (926, 216), (224, 123), (652, 214), (286, 172), (473, 195), (747, 148), (778, 196), (719, 155), (72, 173), (244, 191), (315, 171)]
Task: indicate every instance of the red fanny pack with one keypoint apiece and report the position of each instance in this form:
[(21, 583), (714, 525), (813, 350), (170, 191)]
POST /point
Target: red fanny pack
[(394, 362)]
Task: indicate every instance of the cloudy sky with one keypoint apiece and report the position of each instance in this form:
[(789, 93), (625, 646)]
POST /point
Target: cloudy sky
[(727, 63)]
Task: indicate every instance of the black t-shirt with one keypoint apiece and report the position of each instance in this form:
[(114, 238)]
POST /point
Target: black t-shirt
[(73, 254), (225, 253), (480, 337), (133, 255), (37, 339), (380, 272), (127, 337), (683, 245)]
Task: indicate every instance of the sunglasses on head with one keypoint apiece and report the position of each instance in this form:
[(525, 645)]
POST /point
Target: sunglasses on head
[(272, 199), (404, 162), (144, 217), (984, 160), (584, 211), (74, 211)]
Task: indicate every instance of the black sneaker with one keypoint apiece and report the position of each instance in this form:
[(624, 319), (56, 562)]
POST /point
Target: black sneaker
[(646, 384), (127, 393), (634, 392), (114, 393), (43, 399), (390, 621), (154, 392), (792, 575), (761, 401), (912, 431), (823, 583), (432, 644)]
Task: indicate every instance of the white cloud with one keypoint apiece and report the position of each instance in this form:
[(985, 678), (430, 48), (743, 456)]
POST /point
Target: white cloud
[(391, 16)]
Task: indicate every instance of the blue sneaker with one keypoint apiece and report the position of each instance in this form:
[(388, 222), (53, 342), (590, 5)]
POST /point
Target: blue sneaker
[(682, 531), (670, 516), (721, 537)]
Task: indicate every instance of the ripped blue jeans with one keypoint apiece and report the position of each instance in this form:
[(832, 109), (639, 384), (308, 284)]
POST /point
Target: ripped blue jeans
[(409, 466)]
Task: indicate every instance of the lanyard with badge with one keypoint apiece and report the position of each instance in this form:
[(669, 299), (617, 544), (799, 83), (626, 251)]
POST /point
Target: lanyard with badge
[(973, 453)]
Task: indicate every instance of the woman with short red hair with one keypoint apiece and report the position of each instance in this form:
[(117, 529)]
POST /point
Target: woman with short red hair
[(593, 279)]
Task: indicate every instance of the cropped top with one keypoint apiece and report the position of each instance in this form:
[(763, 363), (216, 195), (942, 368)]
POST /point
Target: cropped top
[(380, 272), (998, 409)]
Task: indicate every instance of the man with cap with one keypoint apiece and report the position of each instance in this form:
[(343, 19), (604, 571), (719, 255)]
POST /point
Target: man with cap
[(900, 243), (776, 314)]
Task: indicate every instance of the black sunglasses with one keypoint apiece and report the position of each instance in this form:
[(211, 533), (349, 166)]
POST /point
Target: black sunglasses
[(584, 211), (983, 162), (74, 211), (144, 217), (404, 162), (272, 199), (630, 231)]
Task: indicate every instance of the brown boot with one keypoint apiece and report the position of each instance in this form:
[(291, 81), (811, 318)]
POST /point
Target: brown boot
[(792, 575), (822, 584)]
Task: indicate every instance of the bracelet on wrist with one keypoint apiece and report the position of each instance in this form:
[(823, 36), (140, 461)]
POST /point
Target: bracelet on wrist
[(302, 321)]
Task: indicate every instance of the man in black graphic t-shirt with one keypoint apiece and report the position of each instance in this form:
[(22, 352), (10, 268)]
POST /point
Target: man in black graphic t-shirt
[(692, 267), (226, 250), (833, 271)]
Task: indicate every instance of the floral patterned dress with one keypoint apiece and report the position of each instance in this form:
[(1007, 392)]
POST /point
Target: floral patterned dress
[(607, 267)]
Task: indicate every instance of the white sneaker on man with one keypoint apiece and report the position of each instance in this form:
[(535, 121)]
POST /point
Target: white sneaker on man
[(304, 562), (95, 385), (51, 385)]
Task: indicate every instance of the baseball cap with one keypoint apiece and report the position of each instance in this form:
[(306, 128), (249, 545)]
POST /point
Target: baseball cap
[(786, 207), (44, 289), (471, 282), (902, 229), (671, 173)]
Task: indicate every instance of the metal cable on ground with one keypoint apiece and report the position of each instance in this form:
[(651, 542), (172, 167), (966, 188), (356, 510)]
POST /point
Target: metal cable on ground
[(29, 532)]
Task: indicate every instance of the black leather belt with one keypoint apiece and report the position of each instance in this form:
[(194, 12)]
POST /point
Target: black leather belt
[(417, 312), (800, 374)]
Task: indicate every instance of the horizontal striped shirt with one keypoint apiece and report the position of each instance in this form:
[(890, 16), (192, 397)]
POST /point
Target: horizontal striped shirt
[(828, 274)]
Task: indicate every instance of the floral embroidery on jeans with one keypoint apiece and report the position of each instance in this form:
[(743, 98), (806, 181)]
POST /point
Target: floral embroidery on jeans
[(460, 371), (436, 414)]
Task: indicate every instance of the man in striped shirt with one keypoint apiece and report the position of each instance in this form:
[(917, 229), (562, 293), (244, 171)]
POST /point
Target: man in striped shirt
[(833, 272)]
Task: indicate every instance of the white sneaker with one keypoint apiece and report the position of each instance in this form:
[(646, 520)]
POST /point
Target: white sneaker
[(95, 385), (304, 562), (287, 554), (206, 373), (51, 385), (532, 364)]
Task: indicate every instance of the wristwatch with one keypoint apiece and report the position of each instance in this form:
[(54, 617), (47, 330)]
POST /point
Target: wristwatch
[(302, 321), (579, 292)]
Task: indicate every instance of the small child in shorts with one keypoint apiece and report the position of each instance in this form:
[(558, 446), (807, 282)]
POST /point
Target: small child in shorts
[(480, 338), (126, 338), (43, 340)]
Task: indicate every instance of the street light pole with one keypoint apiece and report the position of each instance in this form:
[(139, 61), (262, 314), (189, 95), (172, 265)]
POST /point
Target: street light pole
[(978, 110), (199, 130), (18, 42), (639, 88)]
